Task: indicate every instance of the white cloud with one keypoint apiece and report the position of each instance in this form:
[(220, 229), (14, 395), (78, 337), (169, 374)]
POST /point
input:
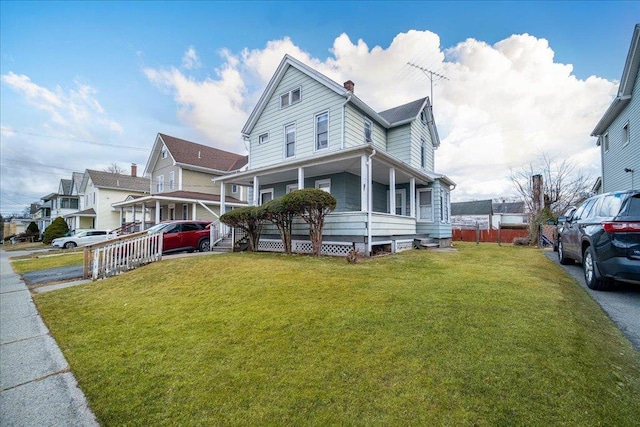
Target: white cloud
[(190, 59), (501, 106)]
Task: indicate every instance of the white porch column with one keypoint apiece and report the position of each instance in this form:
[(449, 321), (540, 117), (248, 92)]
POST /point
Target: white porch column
[(392, 191), (143, 226), (223, 206), (300, 178), (121, 215), (256, 191), (194, 211), (363, 183), (133, 209), (412, 197), (157, 211)]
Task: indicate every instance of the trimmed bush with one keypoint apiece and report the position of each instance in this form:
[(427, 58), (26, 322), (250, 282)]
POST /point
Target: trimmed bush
[(33, 229), (312, 205), (57, 229), (281, 214), (249, 219)]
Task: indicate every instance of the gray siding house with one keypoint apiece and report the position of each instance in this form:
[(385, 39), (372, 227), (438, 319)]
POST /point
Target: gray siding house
[(308, 131), (618, 130)]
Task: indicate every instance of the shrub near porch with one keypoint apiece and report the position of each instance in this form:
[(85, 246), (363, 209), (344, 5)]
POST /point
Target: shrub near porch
[(488, 335)]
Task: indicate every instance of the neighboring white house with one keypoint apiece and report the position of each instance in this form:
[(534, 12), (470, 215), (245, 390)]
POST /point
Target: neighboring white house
[(619, 128), (308, 131), (65, 201), (180, 175)]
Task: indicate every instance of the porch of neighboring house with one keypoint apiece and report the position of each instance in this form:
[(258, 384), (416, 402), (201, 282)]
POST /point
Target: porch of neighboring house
[(82, 219), (367, 217)]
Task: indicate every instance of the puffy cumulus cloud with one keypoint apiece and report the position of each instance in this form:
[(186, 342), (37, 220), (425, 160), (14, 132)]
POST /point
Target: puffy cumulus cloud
[(75, 112), (190, 59), (499, 108)]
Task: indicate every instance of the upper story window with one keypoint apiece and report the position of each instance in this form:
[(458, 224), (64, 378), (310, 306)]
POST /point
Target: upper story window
[(322, 131), (263, 139), (625, 134), (160, 184), (234, 188), (172, 180), (164, 152), (423, 153), (368, 130), (605, 142), (290, 98), (290, 140), (423, 117)]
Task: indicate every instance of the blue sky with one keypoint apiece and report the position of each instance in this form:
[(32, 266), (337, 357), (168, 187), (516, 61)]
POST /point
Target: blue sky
[(121, 66)]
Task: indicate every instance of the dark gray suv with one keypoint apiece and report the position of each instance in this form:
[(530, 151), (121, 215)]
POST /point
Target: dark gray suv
[(603, 234)]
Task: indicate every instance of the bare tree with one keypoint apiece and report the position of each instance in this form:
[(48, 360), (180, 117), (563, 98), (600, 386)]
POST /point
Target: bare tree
[(114, 168)]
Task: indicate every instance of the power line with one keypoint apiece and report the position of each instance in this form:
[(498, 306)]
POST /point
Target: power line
[(102, 144)]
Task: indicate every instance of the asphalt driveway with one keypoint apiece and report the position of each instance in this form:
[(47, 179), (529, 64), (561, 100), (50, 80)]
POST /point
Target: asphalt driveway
[(621, 305)]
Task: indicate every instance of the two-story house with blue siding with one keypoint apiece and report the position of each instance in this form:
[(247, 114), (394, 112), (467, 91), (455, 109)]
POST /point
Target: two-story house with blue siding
[(308, 131), (618, 131)]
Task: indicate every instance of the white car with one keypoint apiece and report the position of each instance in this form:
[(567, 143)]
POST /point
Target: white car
[(83, 238)]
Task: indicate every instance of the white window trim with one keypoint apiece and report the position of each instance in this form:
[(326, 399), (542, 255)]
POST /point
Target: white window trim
[(423, 153), (172, 180), (290, 97), (605, 142), (443, 207), (290, 188), (265, 191), (234, 188), (260, 138), (403, 196), (418, 191), (367, 121), (165, 152), (625, 132), (294, 141), (315, 130), (321, 182), (160, 184)]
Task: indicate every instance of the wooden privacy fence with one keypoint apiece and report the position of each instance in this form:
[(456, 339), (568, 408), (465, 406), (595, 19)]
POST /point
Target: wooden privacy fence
[(121, 254), (502, 235)]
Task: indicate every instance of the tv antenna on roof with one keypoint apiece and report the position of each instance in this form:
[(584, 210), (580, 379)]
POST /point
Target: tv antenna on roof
[(430, 75)]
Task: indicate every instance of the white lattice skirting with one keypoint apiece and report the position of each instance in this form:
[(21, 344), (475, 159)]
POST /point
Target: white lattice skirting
[(304, 247)]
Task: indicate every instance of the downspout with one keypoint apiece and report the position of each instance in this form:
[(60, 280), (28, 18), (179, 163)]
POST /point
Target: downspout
[(343, 116), (369, 202)]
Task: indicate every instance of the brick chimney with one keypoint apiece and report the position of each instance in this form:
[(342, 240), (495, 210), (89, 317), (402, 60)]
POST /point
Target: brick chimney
[(134, 170), (349, 85)]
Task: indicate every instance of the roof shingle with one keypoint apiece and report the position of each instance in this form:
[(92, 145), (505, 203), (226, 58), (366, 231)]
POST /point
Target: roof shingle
[(119, 181), (194, 154)]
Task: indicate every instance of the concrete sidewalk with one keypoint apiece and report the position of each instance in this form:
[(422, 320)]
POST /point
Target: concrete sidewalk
[(36, 385)]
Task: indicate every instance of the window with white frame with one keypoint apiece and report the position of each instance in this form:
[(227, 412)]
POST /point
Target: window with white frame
[(164, 152), (172, 180), (423, 153), (605, 143), (234, 188), (368, 130), (444, 205), (625, 134), (185, 212), (264, 138), (425, 204), (401, 202), (322, 131), (290, 140), (290, 98), (291, 187), (160, 184), (266, 195), (324, 185)]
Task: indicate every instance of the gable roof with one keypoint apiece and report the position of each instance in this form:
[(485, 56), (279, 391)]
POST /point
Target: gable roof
[(629, 75), (192, 155), (508, 208), (393, 117), (116, 181), (76, 177), (476, 207), (66, 185)]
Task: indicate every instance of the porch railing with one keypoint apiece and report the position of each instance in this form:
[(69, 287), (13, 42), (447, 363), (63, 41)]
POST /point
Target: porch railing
[(121, 254)]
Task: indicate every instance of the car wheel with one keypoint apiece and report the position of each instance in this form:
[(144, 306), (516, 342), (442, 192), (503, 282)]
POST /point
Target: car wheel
[(203, 246), (563, 260), (70, 245), (591, 273)]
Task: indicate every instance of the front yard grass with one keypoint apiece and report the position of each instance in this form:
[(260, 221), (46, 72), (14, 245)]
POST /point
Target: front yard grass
[(487, 335), (45, 261)]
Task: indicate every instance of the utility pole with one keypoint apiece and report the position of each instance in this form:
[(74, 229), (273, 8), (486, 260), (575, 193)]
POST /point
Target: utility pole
[(430, 74)]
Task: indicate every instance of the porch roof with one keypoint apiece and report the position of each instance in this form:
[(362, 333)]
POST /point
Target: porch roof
[(181, 197), (87, 212), (347, 160)]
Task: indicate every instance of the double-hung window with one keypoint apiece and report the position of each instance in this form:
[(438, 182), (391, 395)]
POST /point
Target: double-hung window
[(172, 180), (324, 185), (425, 205), (290, 140), (160, 184), (423, 153), (290, 98), (164, 152), (266, 195), (368, 130), (322, 131)]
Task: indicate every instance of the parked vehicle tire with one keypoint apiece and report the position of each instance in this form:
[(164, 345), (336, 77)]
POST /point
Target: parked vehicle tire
[(563, 260), (592, 275), (70, 245), (203, 246)]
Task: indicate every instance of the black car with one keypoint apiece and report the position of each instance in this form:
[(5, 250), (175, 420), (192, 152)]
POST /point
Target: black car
[(603, 234)]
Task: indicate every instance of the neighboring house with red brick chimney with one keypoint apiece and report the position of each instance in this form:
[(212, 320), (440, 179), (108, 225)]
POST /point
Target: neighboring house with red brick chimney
[(180, 175), (308, 131)]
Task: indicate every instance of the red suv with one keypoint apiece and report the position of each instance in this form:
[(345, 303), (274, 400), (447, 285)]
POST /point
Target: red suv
[(181, 236)]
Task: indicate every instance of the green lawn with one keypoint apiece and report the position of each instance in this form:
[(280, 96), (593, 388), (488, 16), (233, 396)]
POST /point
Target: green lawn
[(487, 335), (44, 261)]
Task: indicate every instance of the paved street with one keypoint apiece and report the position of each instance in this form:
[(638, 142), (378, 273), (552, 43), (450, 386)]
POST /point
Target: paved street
[(621, 305), (36, 385)]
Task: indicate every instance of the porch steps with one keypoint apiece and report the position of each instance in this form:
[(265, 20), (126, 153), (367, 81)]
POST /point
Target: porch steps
[(223, 245), (426, 243)]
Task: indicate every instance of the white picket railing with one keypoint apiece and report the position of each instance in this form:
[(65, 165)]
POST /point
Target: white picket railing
[(122, 254)]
